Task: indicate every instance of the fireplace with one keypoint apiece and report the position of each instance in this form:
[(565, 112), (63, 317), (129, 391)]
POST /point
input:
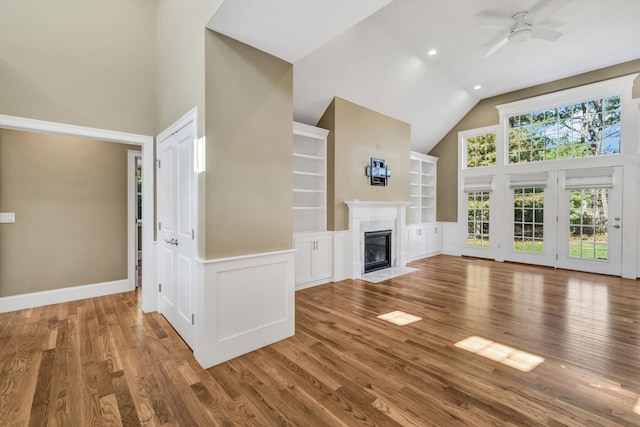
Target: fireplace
[(377, 250), (372, 216)]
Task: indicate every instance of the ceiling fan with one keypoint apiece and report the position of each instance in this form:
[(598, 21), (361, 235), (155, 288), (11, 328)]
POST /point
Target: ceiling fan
[(520, 26)]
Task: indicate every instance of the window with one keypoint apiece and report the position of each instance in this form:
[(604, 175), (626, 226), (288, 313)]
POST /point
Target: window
[(478, 219), (584, 129), (528, 220), (588, 220), (481, 150)]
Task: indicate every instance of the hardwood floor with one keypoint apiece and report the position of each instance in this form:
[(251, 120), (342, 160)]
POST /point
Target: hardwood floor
[(102, 362)]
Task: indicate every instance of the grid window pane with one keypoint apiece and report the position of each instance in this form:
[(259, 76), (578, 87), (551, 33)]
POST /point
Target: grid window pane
[(481, 150), (585, 129), (588, 219), (528, 219), (478, 219)]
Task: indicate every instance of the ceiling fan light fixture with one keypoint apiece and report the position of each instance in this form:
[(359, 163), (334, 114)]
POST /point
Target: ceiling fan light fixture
[(520, 34)]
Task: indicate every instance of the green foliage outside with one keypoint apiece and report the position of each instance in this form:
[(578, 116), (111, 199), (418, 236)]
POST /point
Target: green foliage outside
[(478, 219), (481, 150), (584, 129)]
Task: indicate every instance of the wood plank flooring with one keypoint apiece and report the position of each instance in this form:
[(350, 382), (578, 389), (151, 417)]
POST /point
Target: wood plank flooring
[(102, 362)]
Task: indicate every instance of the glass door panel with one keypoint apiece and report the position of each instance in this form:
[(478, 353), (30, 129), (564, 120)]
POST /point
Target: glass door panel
[(589, 226)]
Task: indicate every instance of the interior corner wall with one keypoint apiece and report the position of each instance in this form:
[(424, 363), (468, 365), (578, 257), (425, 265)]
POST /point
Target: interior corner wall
[(485, 114), (359, 134), (180, 82), (327, 121), (69, 196), (249, 145), (78, 62)]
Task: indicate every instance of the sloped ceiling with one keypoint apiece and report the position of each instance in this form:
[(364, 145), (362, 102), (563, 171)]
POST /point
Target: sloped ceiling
[(380, 60)]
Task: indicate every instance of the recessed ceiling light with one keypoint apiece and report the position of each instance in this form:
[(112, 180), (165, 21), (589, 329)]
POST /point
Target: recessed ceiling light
[(476, 87), (432, 52)]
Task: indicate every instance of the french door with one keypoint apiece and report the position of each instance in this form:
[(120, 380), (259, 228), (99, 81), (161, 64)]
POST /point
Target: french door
[(590, 221), (569, 219)]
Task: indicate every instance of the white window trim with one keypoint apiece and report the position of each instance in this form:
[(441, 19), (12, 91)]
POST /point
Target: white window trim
[(462, 143), (629, 157), (619, 86)]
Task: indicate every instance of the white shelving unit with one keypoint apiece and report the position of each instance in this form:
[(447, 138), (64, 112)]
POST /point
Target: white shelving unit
[(422, 191), (309, 178)]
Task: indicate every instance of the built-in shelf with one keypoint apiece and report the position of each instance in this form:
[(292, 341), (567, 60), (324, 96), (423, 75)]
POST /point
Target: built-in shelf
[(422, 189), (309, 178)]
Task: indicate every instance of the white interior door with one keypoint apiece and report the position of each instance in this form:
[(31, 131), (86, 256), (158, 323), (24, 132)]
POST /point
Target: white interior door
[(590, 220), (176, 234)]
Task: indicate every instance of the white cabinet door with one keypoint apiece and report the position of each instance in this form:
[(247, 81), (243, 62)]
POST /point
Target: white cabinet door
[(418, 242), (322, 259), (434, 239), (314, 258), (304, 260)]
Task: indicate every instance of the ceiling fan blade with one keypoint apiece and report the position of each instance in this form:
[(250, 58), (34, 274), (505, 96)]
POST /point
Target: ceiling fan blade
[(494, 27), (495, 48), (545, 34)]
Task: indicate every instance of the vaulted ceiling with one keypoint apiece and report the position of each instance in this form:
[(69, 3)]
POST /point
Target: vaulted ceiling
[(374, 52)]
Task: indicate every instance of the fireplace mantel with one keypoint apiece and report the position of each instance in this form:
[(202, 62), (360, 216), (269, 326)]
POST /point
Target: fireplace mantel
[(371, 216)]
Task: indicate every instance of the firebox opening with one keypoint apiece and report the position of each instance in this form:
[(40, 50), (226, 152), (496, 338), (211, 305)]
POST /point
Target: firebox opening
[(377, 250)]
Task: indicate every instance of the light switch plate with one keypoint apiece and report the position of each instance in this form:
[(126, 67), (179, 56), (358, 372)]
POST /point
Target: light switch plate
[(7, 217)]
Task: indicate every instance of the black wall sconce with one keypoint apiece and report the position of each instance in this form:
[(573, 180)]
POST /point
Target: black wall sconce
[(378, 171)]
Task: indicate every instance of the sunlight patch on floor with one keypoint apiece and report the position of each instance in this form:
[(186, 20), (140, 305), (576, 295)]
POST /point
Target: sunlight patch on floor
[(636, 408), (506, 355), (399, 318)]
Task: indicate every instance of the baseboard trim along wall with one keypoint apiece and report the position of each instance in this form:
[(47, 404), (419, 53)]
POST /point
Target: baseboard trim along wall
[(56, 296), (244, 303)]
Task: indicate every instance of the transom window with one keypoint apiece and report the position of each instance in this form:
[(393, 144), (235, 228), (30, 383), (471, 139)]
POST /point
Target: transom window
[(481, 150), (585, 129), (478, 219), (528, 220)]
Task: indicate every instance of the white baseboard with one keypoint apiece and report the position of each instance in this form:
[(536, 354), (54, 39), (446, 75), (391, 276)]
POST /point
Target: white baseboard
[(451, 239), (56, 296), (245, 303)]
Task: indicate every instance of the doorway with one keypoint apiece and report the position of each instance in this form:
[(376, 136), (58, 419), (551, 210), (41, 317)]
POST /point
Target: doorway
[(134, 230), (566, 219)]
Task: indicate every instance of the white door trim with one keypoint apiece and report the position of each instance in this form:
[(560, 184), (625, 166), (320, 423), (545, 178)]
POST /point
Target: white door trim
[(149, 292), (132, 226)]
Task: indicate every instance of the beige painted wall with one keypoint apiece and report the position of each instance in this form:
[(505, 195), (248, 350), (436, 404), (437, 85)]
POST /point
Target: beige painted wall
[(180, 84), (485, 114), (70, 200), (357, 134), (249, 111), (88, 63)]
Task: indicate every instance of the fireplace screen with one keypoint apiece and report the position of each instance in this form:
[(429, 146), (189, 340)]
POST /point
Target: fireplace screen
[(377, 250)]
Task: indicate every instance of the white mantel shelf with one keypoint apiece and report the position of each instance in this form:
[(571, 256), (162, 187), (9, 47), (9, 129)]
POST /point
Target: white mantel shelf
[(367, 215), (367, 204)]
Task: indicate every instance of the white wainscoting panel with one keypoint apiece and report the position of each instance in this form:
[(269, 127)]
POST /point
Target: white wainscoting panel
[(341, 255), (243, 303), (451, 239), (56, 296)]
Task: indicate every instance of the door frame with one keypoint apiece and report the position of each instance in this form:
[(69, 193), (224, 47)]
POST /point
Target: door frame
[(149, 301), (132, 226)]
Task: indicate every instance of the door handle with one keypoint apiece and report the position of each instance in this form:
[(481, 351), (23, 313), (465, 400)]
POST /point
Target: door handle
[(172, 242), (614, 226)]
